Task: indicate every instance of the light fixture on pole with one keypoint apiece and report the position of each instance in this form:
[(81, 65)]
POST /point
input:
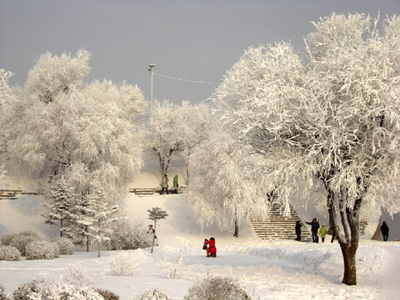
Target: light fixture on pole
[(151, 83)]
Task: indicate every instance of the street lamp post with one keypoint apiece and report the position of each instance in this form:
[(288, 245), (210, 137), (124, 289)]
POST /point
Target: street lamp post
[(151, 83)]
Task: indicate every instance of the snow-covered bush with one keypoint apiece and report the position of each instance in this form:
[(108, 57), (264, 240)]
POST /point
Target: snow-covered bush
[(121, 264), (77, 276), (21, 240), (173, 271), (3, 295), (41, 250), (107, 295), (156, 294), (63, 291), (65, 245), (220, 287), (9, 253), (129, 236), (6, 239), (23, 291)]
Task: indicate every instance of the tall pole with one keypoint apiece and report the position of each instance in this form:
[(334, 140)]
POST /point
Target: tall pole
[(151, 83)]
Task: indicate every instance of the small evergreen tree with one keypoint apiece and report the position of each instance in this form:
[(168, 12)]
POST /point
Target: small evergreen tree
[(61, 207), (155, 214), (95, 217)]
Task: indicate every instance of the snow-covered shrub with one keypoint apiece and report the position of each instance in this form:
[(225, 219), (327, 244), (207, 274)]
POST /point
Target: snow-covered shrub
[(129, 236), (22, 239), (107, 295), (156, 294), (23, 291), (56, 250), (9, 253), (220, 287), (65, 245), (6, 239), (77, 276), (63, 291), (41, 250), (121, 264), (3, 295), (173, 271)]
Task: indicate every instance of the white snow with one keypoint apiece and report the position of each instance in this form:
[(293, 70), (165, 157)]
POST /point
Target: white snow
[(272, 270)]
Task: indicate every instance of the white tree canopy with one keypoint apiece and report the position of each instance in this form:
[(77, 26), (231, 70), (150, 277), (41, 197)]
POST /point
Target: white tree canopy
[(84, 132), (335, 119)]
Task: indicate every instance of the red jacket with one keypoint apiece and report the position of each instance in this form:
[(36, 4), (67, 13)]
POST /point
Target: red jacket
[(213, 250)]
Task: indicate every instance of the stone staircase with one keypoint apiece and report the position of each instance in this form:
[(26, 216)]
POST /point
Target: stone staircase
[(278, 227)]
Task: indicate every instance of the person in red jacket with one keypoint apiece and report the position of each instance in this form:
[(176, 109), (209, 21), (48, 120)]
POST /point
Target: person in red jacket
[(211, 249)]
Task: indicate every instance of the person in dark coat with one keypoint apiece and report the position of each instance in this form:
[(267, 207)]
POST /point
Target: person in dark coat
[(314, 229), (211, 250), (385, 231), (298, 231)]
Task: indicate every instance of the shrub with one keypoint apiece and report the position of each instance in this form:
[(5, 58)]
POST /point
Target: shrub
[(121, 264), (41, 250), (129, 236), (64, 291), (24, 291), (156, 294), (218, 288), (65, 245), (107, 295), (21, 240), (6, 239), (3, 295), (77, 276), (9, 253)]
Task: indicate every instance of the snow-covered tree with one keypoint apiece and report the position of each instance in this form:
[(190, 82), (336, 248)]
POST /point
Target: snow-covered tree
[(193, 126), (176, 129), (335, 120), (96, 217), (82, 132), (61, 208), (163, 138), (224, 185)]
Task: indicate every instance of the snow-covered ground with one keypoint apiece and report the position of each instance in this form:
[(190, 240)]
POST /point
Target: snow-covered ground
[(271, 270)]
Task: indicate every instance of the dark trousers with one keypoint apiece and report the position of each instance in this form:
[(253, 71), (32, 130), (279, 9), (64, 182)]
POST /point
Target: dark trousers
[(298, 238), (385, 237), (323, 239), (162, 190), (314, 237)]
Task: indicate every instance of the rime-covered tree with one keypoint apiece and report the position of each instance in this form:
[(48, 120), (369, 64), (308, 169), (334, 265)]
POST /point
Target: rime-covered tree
[(334, 120), (6, 96), (224, 185), (193, 126), (95, 217), (164, 141), (61, 208), (84, 132), (176, 129)]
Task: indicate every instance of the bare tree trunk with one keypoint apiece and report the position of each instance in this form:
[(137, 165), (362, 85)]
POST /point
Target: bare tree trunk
[(349, 258)]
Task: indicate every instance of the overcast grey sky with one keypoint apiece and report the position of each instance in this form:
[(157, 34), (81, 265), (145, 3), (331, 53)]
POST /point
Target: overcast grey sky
[(196, 40)]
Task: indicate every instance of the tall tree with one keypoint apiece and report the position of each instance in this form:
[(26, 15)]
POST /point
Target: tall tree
[(224, 189), (176, 129), (335, 119), (82, 132)]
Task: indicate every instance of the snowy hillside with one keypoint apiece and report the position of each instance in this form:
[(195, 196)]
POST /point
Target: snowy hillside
[(271, 270)]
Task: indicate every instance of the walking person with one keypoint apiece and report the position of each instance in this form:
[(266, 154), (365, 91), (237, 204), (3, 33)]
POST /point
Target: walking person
[(211, 249), (385, 231), (175, 191), (164, 184), (332, 232), (322, 232), (314, 229), (298, 231)]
